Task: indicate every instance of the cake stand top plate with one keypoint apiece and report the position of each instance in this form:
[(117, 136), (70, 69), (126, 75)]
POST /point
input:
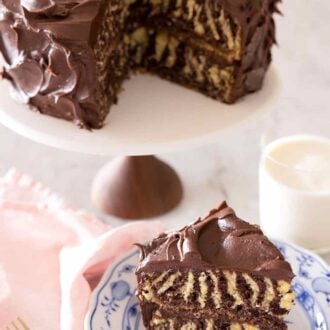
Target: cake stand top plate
[(153, 116)]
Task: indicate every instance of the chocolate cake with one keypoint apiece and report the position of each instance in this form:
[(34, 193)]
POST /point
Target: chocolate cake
[(68, 58), (217, 273)]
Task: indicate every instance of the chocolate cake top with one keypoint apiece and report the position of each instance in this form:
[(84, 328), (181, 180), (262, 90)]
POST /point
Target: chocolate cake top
[(221, 241), (65, 19), (38, 43)]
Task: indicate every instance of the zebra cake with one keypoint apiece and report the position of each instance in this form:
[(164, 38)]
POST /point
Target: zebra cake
[(217, 273), (69, 58)]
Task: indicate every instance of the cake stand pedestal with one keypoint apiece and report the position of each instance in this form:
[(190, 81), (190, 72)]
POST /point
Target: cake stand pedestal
[(153, 116), (136, 187)]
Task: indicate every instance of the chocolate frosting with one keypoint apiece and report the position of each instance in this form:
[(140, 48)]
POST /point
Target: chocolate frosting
[(221, 241), (258, 36), (46, 48)]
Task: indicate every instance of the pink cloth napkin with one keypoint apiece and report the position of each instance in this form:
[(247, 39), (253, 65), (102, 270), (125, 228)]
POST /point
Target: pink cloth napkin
[(52, 256)]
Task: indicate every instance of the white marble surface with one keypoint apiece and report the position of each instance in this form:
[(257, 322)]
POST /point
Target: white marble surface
[(228, 168)]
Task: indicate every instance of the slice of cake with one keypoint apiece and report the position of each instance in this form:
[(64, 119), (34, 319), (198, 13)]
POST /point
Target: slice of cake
[(68, 58), (217, 273)]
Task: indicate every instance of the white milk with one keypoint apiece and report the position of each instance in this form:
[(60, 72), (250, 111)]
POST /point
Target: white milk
[(294, 180)]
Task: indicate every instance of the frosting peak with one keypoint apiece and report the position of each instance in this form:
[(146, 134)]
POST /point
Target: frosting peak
[(220, 240)]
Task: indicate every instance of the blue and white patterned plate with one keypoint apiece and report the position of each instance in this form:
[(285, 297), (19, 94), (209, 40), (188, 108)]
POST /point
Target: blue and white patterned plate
[(114, 306)]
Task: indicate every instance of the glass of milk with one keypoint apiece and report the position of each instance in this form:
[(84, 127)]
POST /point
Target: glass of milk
[(294, 188)]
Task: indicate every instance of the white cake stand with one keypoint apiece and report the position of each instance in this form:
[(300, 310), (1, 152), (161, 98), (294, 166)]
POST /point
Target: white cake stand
[(153, 117)]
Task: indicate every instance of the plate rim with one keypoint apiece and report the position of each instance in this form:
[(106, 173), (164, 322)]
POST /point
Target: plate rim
[(94, 300), (301, 279), (321, 261), (105, 280)]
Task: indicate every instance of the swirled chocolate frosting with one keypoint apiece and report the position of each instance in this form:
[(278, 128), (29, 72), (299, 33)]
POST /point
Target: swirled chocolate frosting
[(219, 241), (47, 55)]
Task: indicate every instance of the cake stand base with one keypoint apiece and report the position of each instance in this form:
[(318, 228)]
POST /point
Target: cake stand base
[(136, 187)]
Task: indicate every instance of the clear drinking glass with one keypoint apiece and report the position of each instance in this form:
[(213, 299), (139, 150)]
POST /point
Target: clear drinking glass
[(294, 185)]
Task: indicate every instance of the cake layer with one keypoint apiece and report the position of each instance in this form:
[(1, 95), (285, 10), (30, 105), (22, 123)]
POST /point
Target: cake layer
[(212, 291), (159, 319), (206, 20), (228, 25), (200, 67), (242, 32), (195, 64)]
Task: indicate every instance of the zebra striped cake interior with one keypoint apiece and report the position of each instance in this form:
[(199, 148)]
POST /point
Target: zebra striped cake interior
[(184, 283)]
